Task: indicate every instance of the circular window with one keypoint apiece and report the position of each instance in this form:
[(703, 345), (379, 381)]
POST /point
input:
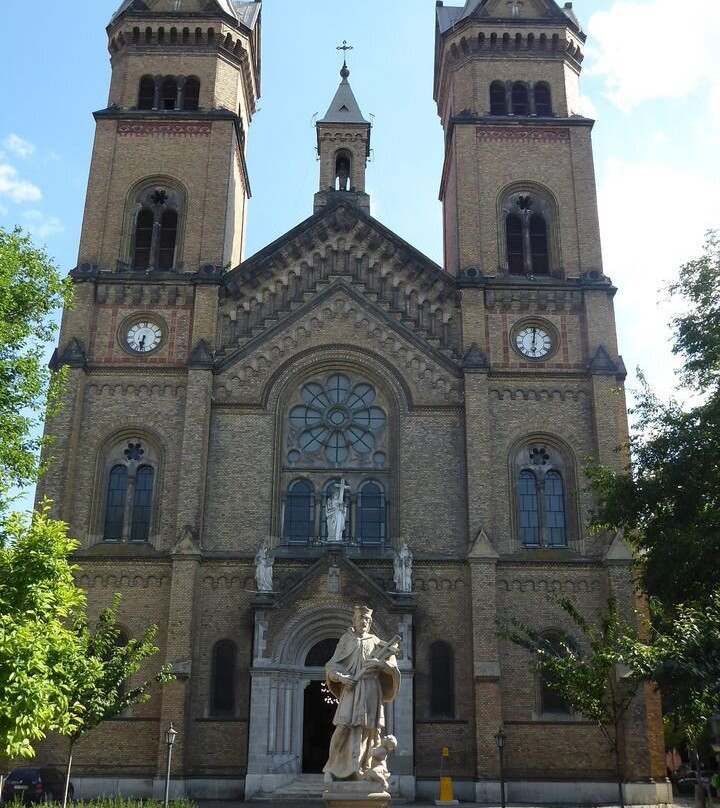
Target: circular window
[(337, 416)]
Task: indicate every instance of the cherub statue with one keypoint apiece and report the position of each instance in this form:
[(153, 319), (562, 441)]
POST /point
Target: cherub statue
[(378, 771)]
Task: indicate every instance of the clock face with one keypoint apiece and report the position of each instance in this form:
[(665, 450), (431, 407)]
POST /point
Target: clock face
[(143, 337), (533, 341)]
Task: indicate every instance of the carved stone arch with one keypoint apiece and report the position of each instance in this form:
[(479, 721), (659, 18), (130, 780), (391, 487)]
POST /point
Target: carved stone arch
[(510, 199), (108, 452), (312, 625), (178, 197)]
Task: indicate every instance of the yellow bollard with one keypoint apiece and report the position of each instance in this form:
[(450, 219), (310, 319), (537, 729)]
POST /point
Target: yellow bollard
[(446, 789)]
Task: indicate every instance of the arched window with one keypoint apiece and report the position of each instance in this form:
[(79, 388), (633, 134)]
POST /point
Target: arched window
[(222, 691), (538, 245), (543, 103), (343, 163), (192, 93), (442, 681), (514, 238), (520, 100), (129, 492), (371, 514), (527, 217), (169, 93), (540, 495), (146, 93), (498, 99), (337, 421), (299, 523), (155, 233), (550, 700), (115, 507)]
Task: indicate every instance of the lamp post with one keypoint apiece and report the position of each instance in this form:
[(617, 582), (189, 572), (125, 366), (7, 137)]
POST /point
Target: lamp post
[(500, 742), (170, 735)]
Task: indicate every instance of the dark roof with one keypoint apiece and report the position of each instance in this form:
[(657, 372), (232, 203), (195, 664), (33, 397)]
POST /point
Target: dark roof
[(449, 16), (245, 12), (344, 108)]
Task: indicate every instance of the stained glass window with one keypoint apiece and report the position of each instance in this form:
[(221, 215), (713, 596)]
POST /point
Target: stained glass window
[(371, 514)]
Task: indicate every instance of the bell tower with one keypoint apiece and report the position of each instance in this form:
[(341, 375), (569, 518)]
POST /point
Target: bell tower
[(518, 185), (168, 181), (343, 144)]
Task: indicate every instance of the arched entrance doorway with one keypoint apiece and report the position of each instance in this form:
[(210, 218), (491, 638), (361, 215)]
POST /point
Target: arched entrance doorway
[(318, 709)]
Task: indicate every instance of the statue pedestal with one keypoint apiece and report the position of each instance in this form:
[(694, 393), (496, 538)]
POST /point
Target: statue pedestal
[(355, 794)]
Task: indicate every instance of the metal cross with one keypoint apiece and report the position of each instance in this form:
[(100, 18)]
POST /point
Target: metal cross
[(345, 48)]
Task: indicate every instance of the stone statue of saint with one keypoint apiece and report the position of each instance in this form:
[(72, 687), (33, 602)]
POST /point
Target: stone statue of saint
[(402, 568), (362, 675), (336, 512), (264, 568)]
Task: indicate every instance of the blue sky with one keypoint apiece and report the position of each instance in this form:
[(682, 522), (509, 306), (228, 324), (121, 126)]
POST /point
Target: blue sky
[(651, 78)]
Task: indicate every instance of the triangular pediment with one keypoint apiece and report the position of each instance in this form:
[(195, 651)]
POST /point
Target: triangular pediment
[(341, 252)]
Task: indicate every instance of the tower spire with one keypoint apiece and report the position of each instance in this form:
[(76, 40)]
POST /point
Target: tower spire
[(343, 137)]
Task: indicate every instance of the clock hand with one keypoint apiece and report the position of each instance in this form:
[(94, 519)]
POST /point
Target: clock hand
[(141, 344)]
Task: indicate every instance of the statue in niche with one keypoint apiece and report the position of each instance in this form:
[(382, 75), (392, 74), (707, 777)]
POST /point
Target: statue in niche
[(336, 512), (402, 569), (362, 675), (264, 568)]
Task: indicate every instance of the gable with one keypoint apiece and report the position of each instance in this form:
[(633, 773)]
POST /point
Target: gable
[(341, 253), (338, 324), (523, 9)]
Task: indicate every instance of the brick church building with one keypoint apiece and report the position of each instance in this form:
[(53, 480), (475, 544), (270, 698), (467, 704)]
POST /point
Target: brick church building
[(214, 402)]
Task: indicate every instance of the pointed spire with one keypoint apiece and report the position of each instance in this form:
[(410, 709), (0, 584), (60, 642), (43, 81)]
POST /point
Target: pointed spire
[(344, 108)]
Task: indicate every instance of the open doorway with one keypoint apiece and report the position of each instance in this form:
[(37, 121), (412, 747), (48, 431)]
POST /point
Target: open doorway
[(319, 709)]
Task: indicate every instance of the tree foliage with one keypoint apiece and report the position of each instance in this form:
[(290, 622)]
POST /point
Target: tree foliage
[(102, 684), (668, 500), (38, 605), (582, 668), (30, 291)]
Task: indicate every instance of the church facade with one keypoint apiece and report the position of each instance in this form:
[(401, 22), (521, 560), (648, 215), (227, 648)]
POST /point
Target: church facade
[(250, 447)]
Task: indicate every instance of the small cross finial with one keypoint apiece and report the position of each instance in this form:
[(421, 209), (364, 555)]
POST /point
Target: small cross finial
[(344, 48)]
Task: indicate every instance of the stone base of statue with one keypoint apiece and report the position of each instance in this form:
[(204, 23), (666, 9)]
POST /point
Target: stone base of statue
[(355, 794)]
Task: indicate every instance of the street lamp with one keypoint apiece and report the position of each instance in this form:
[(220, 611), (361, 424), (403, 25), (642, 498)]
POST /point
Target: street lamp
[(170, 735), (500, 742)]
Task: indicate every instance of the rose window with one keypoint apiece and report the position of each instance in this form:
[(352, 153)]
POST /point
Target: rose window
[(336, 417)]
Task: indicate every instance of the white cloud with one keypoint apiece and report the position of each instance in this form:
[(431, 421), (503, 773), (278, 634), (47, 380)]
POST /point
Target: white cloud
[(632, 47), (42, 226), (15, 144), (16, 189), (650, 227), (587, 107)]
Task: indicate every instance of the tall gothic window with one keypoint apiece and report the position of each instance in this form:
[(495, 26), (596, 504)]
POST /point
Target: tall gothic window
[(336, 431), (299, 524), (442, 685), (222, 689), (541, 497), (550, 700), (129, 492), (156, 226), (526, 218), (371, 513)]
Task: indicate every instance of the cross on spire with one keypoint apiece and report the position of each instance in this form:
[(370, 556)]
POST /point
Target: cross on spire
[(344, 48)]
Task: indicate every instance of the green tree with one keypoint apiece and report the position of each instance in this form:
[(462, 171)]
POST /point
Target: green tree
[(668, 499), (584, 669), (101, 685), (38, 649), (30, 291)]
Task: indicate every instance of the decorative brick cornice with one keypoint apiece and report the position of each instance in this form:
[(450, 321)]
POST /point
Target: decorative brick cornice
[(522, 134), (163, 129)]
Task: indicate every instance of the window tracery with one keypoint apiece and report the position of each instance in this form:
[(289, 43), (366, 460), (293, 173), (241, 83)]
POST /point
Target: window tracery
[(528, 219), (157, 212), (129, 492), (542, 517)]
